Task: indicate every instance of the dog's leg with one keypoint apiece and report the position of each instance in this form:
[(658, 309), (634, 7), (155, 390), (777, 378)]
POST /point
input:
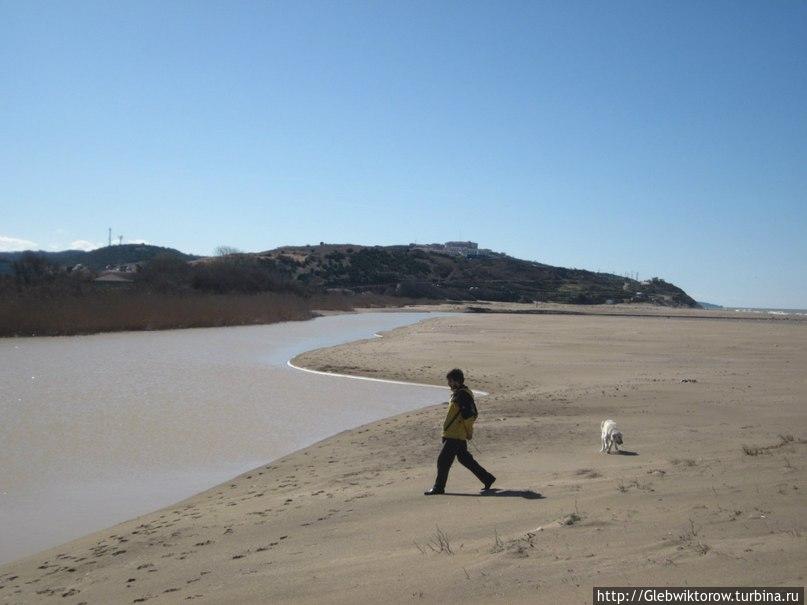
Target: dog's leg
[(602, 449), (610, 443)]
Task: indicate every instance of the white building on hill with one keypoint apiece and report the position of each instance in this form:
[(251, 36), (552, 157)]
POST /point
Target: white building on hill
[(455, 249)]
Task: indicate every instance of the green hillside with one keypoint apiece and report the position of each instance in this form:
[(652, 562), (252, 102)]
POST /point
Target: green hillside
[(404, 271), (409, 271)]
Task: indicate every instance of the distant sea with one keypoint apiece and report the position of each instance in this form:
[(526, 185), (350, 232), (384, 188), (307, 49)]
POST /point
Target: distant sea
[(768, 311)]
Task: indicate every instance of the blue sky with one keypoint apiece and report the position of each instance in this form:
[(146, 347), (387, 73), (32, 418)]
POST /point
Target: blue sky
[(668, 138)]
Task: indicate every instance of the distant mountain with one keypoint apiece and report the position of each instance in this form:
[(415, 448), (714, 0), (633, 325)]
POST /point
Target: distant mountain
[(414, 272), (706, 305), (99, 258)]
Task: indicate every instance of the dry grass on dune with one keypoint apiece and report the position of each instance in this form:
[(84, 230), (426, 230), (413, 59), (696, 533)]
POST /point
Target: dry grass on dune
[(122, 310)]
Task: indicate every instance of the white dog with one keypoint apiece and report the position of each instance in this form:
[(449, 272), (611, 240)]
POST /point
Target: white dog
[(610, 435)]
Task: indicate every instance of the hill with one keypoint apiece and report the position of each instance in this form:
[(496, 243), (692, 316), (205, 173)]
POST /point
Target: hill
[(706, 305), (413, 272), (99, 258), (403, 271)]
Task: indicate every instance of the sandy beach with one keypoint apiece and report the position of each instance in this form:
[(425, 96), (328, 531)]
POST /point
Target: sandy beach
[(710, 489)]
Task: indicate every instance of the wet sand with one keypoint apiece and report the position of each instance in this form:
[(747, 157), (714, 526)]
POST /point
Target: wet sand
[(710, 489)]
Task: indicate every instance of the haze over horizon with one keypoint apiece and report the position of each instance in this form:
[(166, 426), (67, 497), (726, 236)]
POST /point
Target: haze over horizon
[(665, 139)]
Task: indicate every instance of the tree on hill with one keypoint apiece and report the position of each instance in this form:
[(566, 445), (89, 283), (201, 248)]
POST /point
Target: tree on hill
[(32, 269)]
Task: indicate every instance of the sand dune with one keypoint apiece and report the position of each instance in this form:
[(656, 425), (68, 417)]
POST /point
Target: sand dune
[(717, 500)]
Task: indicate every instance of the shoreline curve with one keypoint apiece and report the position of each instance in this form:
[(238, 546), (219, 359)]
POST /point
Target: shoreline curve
[(387, 380)]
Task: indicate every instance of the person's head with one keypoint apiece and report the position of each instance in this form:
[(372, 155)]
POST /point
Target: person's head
[(455, 378)]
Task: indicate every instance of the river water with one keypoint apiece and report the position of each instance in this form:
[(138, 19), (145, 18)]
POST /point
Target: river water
[(98, 429)]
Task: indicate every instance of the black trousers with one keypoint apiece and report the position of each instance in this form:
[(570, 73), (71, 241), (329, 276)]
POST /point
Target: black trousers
[(457, 448)]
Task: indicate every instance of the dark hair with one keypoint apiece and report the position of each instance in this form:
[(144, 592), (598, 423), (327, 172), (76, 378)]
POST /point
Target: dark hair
[(457, 375)]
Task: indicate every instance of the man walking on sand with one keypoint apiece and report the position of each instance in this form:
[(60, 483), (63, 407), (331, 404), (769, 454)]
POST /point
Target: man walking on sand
[(457, 429)]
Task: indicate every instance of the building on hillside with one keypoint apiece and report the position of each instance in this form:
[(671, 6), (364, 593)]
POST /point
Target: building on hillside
[(466, 249), (112, 279), (462, 248), (126, 267)]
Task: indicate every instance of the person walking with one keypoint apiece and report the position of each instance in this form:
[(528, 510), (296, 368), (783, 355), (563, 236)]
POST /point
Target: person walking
[(458, 428)]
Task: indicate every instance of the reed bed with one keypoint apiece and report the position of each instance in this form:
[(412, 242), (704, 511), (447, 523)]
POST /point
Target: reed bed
[(22, 315)]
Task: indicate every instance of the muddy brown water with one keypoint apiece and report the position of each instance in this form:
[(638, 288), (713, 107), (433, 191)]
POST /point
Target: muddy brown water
[(98, 429)]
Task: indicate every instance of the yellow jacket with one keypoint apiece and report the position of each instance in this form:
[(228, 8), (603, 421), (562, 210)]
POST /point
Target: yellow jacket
[(459, 422)]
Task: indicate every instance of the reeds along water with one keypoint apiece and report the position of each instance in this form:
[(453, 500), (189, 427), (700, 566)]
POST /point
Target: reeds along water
[(61, 314), (28, 315)]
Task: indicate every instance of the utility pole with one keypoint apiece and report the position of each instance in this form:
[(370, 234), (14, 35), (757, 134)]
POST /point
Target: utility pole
[(110, 236)]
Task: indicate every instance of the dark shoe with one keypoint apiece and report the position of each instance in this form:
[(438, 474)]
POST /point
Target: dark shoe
[(488, 483), (434, 492)]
